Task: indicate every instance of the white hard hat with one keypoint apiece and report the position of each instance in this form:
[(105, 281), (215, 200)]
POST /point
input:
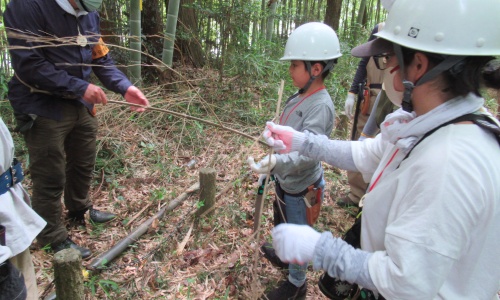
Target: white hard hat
[(312, 41), (453, 27), (387, 4)]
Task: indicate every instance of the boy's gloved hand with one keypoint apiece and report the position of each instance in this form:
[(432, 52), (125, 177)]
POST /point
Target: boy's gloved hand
[(349, 104), (262, 179), (283, 139), (264, 166), (295, 243)]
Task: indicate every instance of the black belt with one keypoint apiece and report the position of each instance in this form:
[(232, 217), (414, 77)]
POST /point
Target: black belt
[(375, 86), (13, 175)]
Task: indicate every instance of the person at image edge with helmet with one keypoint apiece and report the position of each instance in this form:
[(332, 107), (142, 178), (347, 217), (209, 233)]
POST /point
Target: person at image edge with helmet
[(431, 215), (54, 105), (312, 49)]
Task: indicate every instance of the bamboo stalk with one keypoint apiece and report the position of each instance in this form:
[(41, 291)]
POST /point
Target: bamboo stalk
[(119, 247), (257, 217)]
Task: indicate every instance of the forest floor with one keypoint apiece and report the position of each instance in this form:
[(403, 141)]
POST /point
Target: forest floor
[(141, 167)]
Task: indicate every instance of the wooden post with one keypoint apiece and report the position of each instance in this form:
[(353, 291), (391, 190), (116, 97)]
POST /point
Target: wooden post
[(207, 190), (68, 275)]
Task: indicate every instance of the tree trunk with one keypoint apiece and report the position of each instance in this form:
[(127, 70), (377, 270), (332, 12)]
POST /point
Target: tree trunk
[(135, 42), (332, 15), (270, 20), (190, 47), (152, 27), (110, 23), (359, 21), (168, 45)]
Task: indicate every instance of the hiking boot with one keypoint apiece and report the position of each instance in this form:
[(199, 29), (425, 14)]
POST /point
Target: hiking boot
[(346, 202), (269, 253), (336, 289), (287, 291), (68, 243)]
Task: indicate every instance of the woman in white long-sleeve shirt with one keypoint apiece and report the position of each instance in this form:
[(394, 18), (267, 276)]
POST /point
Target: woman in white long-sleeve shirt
[(432, 212), (21, 224)]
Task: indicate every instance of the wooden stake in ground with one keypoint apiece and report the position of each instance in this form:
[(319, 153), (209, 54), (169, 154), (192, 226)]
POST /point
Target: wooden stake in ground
[(207, 191), (68, 275)]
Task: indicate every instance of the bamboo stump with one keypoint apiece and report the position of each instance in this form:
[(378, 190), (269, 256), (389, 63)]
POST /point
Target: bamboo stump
[(68, 275), (207, 191)]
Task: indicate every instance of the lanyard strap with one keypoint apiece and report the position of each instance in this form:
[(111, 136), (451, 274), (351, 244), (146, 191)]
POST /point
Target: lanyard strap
[(286, 119), (380, 174)]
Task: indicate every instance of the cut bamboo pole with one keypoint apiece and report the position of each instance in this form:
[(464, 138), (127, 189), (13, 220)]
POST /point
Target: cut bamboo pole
[(112, 253)]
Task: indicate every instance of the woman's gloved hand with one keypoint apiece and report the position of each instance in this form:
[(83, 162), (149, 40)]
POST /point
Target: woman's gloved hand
[(295, 243), (283, 139)]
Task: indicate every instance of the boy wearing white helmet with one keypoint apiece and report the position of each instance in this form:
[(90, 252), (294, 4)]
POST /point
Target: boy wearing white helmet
[(312, 50), (432, 212)]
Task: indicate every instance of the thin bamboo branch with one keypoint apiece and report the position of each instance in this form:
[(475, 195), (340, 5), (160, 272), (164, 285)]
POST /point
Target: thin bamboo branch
[(181, 115), (257, 218)]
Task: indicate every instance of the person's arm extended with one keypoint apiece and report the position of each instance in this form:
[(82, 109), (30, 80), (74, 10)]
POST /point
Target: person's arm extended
[(302, 244), (334, 152)]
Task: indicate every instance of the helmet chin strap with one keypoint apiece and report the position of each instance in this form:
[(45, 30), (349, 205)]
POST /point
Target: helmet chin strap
[(329, 65), (446, 64)]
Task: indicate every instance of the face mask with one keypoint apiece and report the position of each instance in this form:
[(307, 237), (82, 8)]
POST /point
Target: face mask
[(88, 5), (388, 85)]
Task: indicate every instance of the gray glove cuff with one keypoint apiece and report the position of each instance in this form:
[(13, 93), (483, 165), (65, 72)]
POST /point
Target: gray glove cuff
[(342, 261), (298, 140), (334, 152)]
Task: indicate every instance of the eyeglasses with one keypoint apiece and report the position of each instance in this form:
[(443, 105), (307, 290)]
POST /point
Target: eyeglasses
[(381, 60)]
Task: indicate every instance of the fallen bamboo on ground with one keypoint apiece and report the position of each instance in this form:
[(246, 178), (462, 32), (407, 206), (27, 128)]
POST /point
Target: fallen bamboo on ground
[(118, 248)]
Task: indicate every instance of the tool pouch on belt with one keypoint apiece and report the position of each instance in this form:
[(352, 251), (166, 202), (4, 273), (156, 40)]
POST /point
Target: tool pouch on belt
[(313, 204)]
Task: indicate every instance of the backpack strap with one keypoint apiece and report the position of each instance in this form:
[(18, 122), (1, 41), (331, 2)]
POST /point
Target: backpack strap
[(480, 120)]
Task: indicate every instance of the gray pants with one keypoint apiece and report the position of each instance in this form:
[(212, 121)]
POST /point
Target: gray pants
[(62, 157)]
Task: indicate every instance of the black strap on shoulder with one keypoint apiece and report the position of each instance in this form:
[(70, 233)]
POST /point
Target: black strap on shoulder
[(482, 121)]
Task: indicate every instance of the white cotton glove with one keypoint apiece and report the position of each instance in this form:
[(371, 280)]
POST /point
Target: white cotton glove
[(283, 139), (349, 104), (264, 166), (295, 243), (262, 179)]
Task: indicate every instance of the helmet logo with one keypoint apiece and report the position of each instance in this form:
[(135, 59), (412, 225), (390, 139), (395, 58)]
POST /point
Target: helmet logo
[(413, 32)]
